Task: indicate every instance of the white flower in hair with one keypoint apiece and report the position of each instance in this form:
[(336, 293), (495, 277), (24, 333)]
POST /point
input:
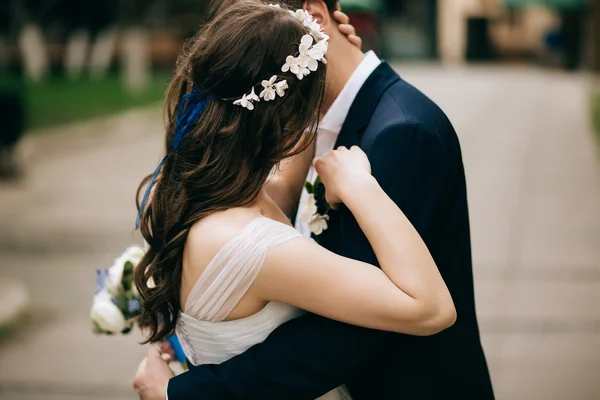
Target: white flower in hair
[(306, 59), (309, 22), (271, 88), (301, 15), (313, 25), (247, 100), (268, 92), (317, 52), (292, 64), (315, 29), (280, 87), (252, 96)]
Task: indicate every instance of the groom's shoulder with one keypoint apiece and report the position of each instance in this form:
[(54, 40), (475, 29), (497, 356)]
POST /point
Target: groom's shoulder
[(404, 103)]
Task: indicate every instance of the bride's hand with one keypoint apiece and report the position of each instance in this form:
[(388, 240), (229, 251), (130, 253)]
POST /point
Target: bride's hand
[(342, 171)]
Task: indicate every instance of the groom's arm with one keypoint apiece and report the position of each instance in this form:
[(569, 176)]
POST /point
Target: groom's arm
[(310, 355)]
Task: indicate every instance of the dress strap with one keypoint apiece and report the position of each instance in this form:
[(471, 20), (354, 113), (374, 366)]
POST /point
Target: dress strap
[(234, 269)]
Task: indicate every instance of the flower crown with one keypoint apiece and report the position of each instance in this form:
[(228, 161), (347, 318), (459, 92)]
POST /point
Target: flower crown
[(312, 49)]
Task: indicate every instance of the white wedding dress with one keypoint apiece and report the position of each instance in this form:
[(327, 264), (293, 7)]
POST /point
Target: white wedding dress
[(204, 334)]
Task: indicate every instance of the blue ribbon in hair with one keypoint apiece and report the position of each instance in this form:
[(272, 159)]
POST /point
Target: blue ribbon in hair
[(191, 107)]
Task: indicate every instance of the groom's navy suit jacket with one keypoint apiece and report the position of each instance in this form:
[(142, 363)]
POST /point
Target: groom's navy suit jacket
[(416, 158)]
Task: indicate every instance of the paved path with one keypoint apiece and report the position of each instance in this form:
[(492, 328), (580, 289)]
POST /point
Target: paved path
[(534, 191)]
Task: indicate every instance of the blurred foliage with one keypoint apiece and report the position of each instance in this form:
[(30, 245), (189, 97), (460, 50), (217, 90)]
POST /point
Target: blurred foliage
[(596, 113), (375, 6), (58, 101), (552, 4), (13, 327)]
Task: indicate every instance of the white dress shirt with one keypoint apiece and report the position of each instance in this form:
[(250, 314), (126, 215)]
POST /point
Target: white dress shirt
[(331, 124)]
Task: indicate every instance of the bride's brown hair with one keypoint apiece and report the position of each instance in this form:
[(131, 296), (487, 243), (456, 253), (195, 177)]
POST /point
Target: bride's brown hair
[(225, 159)]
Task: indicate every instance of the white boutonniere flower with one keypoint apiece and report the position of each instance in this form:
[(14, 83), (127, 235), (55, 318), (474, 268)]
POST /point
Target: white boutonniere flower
[(315, 209), (310, 207), (318, 224)]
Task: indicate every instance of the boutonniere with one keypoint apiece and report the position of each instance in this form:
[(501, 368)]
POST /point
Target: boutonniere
[(316, 208)]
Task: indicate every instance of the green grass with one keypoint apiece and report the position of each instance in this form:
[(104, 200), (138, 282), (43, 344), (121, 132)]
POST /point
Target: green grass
[(596, 114), (8, 328), (60, 101)]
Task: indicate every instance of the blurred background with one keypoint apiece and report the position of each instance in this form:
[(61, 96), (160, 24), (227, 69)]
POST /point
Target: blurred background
[(81, 123)]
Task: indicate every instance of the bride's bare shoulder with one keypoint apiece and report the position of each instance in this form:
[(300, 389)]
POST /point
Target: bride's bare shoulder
[(211, 233)]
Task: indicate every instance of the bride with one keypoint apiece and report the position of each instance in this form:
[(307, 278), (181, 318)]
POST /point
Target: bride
[(224, 266)]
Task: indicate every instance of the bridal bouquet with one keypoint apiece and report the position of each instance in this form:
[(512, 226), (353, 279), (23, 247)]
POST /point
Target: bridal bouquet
[(117, 303)]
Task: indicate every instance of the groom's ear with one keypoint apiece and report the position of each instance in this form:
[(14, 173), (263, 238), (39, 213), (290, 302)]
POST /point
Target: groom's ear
[(319, 10)]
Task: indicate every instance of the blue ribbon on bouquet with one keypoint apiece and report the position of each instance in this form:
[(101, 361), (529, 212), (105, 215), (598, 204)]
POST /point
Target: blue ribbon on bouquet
[(190, 109), (173, 340), (177, 349)]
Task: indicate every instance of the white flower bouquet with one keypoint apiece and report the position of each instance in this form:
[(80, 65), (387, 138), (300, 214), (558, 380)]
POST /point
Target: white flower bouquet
[(117, 303)]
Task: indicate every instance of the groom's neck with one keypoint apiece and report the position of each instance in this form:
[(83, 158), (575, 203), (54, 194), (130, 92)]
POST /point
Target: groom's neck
[(343, 59)]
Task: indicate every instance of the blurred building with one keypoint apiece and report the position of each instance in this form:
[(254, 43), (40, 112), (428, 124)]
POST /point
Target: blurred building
[(552, 32), (75, 38)]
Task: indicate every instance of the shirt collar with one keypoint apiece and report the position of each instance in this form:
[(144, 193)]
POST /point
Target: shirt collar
[(337, 113)]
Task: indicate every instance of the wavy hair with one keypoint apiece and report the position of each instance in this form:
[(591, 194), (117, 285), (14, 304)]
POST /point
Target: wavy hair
[(224, 161)]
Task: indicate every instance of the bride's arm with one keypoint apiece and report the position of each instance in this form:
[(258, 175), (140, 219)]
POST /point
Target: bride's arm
[(284, 187), (407, 295)]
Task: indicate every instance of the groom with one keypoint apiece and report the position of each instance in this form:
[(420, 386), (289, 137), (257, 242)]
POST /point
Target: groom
[(416, 158)]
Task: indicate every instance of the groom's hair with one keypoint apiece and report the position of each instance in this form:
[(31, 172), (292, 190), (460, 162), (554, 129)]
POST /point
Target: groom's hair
[(215, 7), (226, 156)]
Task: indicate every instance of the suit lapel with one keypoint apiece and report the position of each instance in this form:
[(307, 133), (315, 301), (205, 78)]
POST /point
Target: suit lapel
[(365, 103), (358, 118)]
